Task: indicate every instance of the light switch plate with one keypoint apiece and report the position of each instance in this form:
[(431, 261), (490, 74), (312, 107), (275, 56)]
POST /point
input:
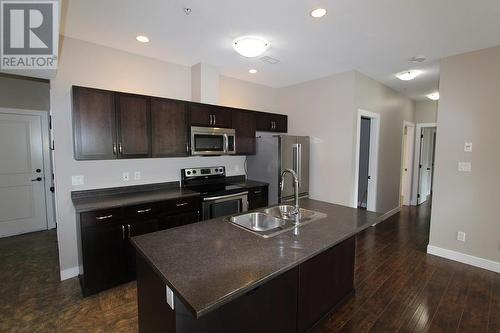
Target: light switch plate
[(464, 166), (77, 180), (461, 236), (170, 296), (126, 176), (468, 147), (137, 175)]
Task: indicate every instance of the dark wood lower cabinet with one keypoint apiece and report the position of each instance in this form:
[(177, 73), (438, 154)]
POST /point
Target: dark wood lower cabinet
[(258, 197), (107, 255), (295, 301)]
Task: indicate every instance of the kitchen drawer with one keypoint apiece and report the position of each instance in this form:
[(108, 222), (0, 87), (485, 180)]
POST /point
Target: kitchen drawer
[(257, 197), (143, 211), (180, 205), (100, 217)]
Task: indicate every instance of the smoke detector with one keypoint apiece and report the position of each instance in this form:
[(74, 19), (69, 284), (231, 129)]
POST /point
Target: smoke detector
[(417, 59), (270, 60)]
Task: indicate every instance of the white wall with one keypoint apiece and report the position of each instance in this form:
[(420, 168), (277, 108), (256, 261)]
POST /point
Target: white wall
[(426, 111), (394, 109), (87, 64), (243, 94), (468, 112), (326, 109)]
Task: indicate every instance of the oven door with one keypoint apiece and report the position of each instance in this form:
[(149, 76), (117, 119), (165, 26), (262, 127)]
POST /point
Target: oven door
[(224, 205)]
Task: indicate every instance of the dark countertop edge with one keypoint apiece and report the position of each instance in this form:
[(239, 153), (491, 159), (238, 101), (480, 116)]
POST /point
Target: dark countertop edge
[(237, 293), (138, 202)]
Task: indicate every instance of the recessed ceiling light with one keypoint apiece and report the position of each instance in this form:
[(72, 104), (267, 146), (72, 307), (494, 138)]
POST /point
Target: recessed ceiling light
[(318, 12), (434, 96), (142, 39), (252, 71), (250, 46), (408, 75)]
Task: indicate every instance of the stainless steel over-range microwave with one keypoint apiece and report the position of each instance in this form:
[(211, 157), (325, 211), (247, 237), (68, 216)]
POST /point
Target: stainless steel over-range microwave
[(212, 141)]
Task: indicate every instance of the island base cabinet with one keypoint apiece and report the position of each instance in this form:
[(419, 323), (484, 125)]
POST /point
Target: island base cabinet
[(324, 281), (269, 308)]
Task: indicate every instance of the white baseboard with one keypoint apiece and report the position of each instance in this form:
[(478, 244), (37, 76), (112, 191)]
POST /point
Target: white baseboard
[(464, 258), (69, 273), (387, 215)]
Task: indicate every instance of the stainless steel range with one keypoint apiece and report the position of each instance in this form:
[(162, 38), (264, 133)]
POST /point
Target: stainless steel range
[(218, 197)]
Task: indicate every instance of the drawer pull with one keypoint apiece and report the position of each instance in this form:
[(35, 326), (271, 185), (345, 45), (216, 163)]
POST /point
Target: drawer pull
[(257, 192), (181, 204), (100, 218), (140, 211)]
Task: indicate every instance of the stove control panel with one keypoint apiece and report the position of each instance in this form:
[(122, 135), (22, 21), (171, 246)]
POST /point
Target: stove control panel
[(203, 172)]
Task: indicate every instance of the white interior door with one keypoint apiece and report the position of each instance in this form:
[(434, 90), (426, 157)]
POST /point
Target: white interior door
[(22, 189), (426, 163), (409, 141)]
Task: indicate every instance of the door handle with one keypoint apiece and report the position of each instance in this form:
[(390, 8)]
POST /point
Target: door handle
[(214, 121), (114, 148), (37, 179), (123, 232), (141, 211), (120, 148), (128, 227)]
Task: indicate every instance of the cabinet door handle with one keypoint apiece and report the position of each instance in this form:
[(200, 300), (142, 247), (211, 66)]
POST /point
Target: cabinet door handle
[(120, 148), (123, 232), (210, 119), (187, 147), (141, 211), (114, 148), (100, 218), (181, 204), (128, 227), (214, 120)]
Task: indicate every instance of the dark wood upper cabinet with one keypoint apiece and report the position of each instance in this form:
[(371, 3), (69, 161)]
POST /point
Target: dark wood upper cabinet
[(244, 123), (134, 126), (170, 132), (210, 115), (94, 124), (272, 122)]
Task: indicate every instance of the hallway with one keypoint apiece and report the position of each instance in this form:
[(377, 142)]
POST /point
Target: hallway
[(399, 288)]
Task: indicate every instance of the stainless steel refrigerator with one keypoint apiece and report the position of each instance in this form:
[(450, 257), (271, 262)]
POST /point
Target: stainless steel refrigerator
[(276, 153)]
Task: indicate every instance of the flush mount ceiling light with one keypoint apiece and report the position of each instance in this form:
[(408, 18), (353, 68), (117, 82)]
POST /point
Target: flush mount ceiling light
[(434, 96), (250, 46), (252, 71), (318, 12), (408, 75), (142, 39)]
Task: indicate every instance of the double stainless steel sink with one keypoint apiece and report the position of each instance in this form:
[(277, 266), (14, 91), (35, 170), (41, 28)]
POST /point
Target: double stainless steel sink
[(275, 220)]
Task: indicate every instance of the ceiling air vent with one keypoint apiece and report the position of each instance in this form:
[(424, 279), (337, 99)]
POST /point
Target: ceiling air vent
[(270, 60)]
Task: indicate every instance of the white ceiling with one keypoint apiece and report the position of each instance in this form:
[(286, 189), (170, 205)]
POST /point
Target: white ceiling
[(376, 37)]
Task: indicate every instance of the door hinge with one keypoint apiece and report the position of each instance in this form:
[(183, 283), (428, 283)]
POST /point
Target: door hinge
[(421, 136), (420, 166), (418, 195), (50, 122)]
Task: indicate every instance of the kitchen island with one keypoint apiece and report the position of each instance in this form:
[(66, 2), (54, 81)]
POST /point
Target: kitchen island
[(214, 276)]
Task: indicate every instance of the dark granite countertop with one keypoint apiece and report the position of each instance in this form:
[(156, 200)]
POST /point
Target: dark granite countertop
[(210, 263), (248, 183), (90, 200)]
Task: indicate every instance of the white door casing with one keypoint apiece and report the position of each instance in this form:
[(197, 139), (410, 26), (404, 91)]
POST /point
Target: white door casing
[(407, 163), (22, 197)]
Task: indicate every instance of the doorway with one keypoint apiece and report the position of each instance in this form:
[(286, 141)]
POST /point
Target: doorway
[(25, 172), (425, 146), (407, 162), (365, 185)]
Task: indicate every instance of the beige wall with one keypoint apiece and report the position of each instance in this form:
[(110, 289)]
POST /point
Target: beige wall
[(24, 93), (394, 109), (469, 111), (87, 64), (326, 109), (426, 111), (238, 93)]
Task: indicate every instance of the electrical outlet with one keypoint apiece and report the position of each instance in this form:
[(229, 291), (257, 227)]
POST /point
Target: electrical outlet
[(170, 296), (468, 147), (126, 176), (77, 180), (461, 236), (464, 166), (137, 175)]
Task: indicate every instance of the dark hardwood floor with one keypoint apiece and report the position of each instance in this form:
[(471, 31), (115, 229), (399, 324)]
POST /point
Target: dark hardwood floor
[(399, 288)]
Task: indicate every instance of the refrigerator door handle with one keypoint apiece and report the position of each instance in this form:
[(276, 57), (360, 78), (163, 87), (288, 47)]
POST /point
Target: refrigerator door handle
[(299, 163), (295, 155)]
